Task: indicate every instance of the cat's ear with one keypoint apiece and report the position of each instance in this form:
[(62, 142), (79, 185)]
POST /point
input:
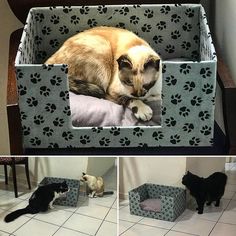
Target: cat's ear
[(83, 173), (124, 62), (152, 62)]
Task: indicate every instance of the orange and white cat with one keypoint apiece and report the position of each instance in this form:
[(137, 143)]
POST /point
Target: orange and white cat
[(114, 64)]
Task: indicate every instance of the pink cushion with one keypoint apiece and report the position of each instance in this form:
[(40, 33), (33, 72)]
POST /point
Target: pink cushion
[(151, 205)]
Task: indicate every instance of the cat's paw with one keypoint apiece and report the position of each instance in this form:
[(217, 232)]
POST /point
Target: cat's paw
[(141, 111), (51, 207), (153, 97)]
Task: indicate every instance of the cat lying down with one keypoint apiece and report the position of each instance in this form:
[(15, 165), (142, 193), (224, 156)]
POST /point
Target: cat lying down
[(41, 200)]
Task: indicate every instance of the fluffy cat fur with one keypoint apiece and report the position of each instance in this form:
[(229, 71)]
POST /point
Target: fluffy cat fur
[(208, 189), (95, 185), (114, 64), (40, 200)]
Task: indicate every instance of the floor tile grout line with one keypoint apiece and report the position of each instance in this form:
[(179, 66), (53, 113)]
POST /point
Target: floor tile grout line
[(134, 223), (21, 225)]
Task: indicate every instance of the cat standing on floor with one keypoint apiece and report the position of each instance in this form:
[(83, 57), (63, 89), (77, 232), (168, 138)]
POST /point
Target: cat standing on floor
[(114, 64), (208, 189), (95, 185), (40, 200)]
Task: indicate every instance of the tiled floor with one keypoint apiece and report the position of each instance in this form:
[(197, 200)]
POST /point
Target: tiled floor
[(214, 222), (92, 216)]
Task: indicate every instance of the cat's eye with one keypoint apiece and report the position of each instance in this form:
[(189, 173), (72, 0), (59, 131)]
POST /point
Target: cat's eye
[(127, 82)]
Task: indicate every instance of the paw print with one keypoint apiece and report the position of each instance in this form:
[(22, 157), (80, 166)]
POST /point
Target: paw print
[(170, 48), (134, 20), (23, 116), (56, 80), (46, 30), (143, 145), (32, 102), (175, 34), (25, 130), (120, 25), (204, 115), (67, 111), (50, 107), (64, 95), (97, 129), (19, 73), (39, 17), (41, 55), (85, 139), (92, 22), (185, 69), (165, 9), (35, 78), (58, 122), (148, 13), (187, 27), (67, 9), (158, 39), (206, 130), (184, 111), (74, 19), (38, 120), (171, 80), (138, 131), (175, 99), (44, 91), (189, 86), (186, 45), (175, 18), (84, 10), (194, 141), (115, 131), (207, 88), (47, 131), (124, 142), (205, 72), (157, 135), (189, 12), (38, 40), (170, 122), (164, 69), (163, 110), (64, 68), (161, 25), (188, 127), (54, 43), (47, 67), (124, 11), (102, 9), (146, 28), (174, 139), (35, 141), (22, 90), (196, 101), (64, 30), (55, 19), (53, 145), (195, 55), (196, 39), (67, 135), (104, 142)]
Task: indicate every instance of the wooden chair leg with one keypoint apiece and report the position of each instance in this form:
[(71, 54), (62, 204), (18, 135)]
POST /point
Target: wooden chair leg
[(5, 172), (27, 173), (14, 179)]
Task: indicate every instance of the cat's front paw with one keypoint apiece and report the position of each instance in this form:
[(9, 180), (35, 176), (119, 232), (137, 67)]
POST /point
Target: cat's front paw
[(141, 111)]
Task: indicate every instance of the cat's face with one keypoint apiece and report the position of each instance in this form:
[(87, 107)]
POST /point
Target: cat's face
[(62, 188), (139, 70), (186, 180)]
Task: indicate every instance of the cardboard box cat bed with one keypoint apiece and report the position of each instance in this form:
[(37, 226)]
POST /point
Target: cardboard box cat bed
[(179, 33), (71, 198), (170, 201)]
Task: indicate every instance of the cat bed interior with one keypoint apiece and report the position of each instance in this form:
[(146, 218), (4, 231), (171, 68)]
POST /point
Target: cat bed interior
[(151, 205), (157, 201), (70, 198)]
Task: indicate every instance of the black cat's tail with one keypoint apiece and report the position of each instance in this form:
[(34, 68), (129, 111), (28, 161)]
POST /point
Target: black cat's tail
[(108, 193), (15, 214), (85, 88)]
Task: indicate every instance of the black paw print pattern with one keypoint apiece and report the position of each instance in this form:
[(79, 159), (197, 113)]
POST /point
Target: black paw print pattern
[(184, 111), (53, 145), (102, 9), (204, 115), (85, 139), (124, 142), (175, 99), (38, 40), (207, 88), (50, 107), (124, 11), (170, 80), (194, 141), (47, 67), (47, 131), (175, 18), (92, 22), (46, 30), (189, 86), (196, 101), (205, 72), (97, 129), (67, 110), (64, 68), (189, 12), (67, 9), (35, 78), (74, 19), (39, 17), (148, 13), (44, 91), (165, 9), (185, 69), (134, 20), (104, 142), (121, 25), (54, 43), (67, 135), (161, 25), (115, 131), (22, 90), (35, 141), (64, 95), (175, 34), (187, 27), (32, 102), (55, 19), (84, 10), (170, 122), (206, 130), (157, 135), (186, 45), (138, 131), (188, 127), (56, 80), (174, 139), (64, 29), (158, 39), (170, 48), (58, 122), (25, 130), (146, 28), (39, 119)]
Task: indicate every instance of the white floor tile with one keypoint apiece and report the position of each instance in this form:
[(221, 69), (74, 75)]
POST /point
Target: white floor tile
[(68, 232), (124, 214), (143, 230), (124, 225), (107, 229), (12, 226), (230, 187), (7, 203), (83, 224), (36, 228), (57, 217), (228, 217), (157, 223), (228, 194), (114, 206), (3, 233), (93, 210), (174, 233), (231, 206), (106, 201), (112, 216), (224, 229), (123, 203), (21, 205)]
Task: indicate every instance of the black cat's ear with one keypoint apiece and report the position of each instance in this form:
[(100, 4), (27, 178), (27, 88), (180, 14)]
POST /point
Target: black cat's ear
[(152, 62), (124, 62), (83, 173)]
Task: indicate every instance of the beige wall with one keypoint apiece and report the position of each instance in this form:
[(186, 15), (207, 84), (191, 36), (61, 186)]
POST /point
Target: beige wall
[(139, 170)]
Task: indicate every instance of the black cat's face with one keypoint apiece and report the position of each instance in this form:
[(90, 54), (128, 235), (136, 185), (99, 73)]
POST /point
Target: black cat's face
[(63, 187), (186, 179)]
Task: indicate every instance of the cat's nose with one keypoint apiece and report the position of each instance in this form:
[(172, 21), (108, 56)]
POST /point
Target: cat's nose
[(139, 93)]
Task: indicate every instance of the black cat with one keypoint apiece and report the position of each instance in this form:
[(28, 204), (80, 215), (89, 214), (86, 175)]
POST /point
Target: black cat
[(40, 200), (208, 189)]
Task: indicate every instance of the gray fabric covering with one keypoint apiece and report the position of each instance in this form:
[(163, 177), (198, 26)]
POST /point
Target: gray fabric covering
[(151, 205)]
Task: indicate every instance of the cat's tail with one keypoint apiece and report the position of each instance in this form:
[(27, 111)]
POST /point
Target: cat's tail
[(108, 193), (85, 88), (15, 214)]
